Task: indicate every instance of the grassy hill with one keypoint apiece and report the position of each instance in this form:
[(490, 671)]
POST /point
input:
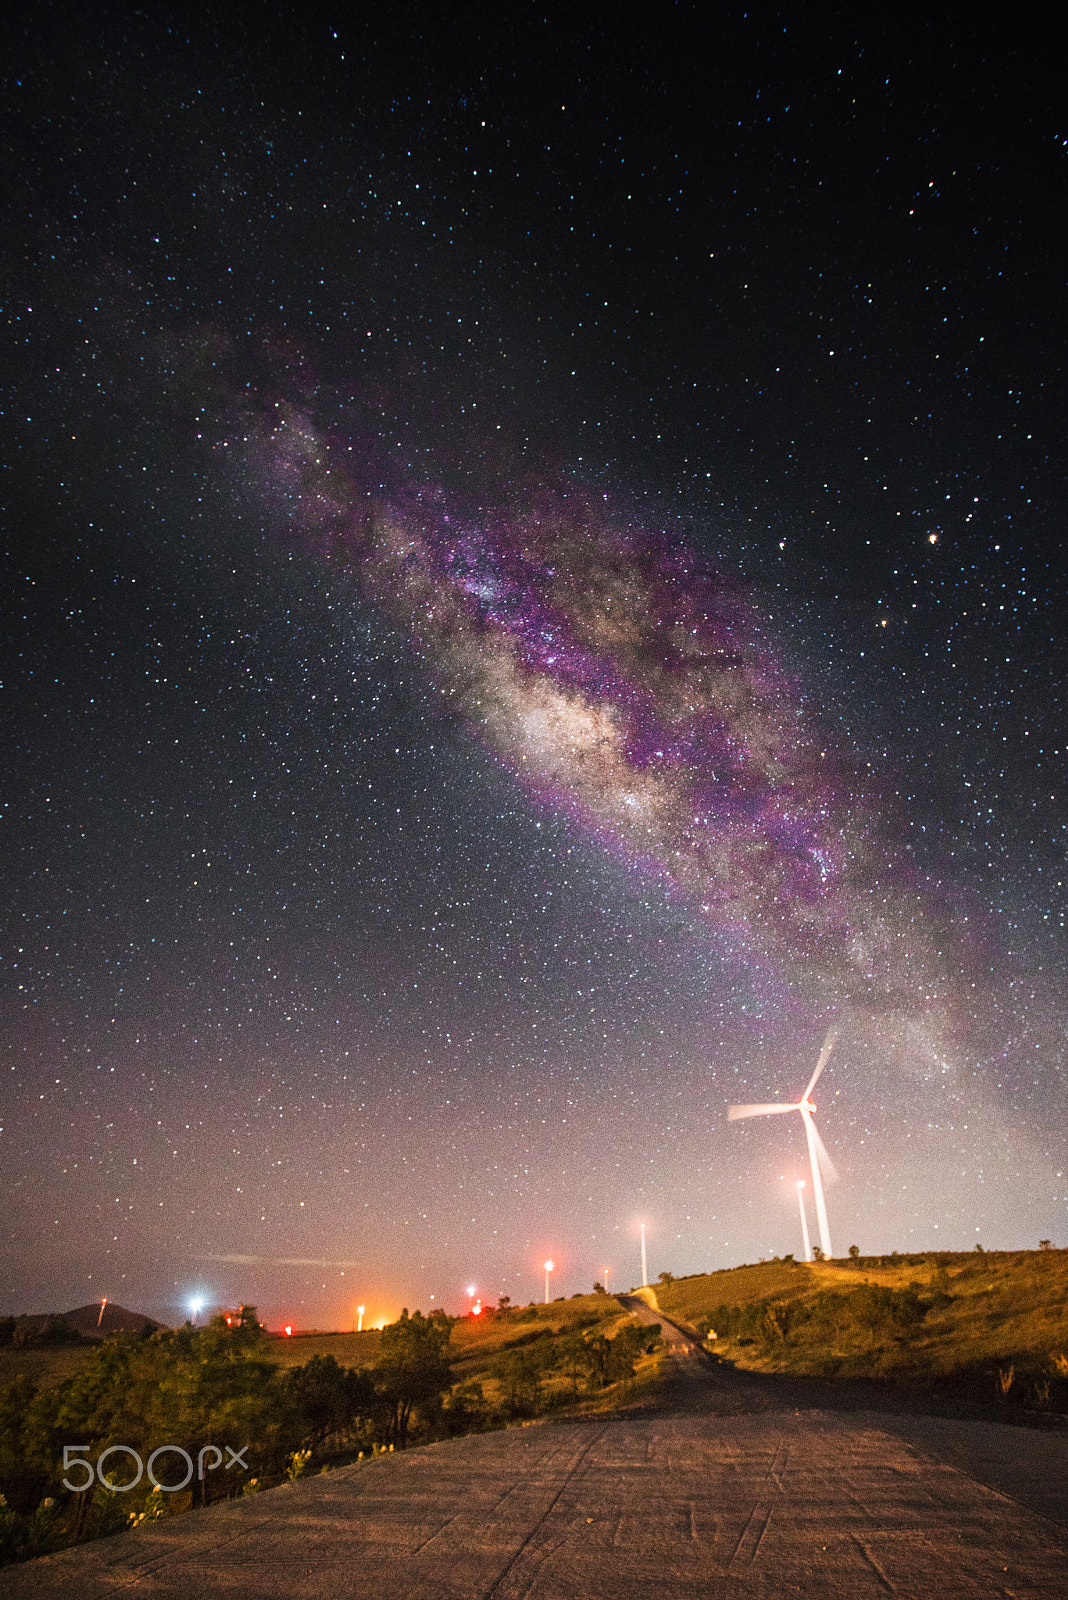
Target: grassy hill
[(485, 1351), (990, 1323), (981, 1326), (347, 1349), (531, 1336)]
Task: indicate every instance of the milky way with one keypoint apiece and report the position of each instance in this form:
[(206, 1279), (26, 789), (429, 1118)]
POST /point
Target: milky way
[(643, 694)]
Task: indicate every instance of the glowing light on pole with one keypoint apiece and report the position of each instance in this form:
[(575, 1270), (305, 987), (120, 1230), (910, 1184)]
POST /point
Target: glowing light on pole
[(804, 1219), (645, 1270), (196, 1307), (359, 1318), (548, 1269)]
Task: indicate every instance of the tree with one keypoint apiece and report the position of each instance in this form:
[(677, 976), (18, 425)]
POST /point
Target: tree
[(609, 1361), (194, 1387), (572, 1357), (412, 1368), (327, 1398), (627, 1346), (464, 1411), (854, 1252), (519, 1374), (28, 1450)]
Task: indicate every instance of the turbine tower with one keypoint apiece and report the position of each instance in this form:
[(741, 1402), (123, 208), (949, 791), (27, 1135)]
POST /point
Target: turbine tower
[(817, 1150), (804, 1220)]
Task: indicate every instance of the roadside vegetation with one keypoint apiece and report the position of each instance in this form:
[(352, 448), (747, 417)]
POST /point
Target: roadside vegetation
[(297, 1407), (988, 1329)]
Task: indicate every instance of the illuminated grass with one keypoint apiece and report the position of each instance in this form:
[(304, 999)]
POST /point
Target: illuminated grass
[(983, 1312)]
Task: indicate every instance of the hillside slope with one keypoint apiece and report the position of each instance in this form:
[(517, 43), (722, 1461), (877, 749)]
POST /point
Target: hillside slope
[(989, 1322)]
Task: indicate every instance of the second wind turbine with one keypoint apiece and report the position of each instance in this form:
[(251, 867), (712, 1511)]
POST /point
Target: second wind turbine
[(817, 1150)]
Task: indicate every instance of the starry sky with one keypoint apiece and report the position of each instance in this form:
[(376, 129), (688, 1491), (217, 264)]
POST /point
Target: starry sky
[(532, 589)]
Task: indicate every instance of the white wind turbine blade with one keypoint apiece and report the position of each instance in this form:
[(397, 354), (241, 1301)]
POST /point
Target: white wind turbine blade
[(828, 1046), (830, 1171), (735, 1113)]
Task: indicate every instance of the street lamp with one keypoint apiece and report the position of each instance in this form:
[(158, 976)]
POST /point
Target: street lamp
[(196, 1307), (548, 1269), (359, 1318), (804, 1219)]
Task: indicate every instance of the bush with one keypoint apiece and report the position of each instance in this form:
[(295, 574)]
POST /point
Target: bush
[(464, 1411)]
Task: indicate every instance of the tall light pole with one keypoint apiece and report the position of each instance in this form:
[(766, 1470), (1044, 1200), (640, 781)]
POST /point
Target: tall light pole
[(645, 1270), (548, 1269), (359, 1318), (804, 1219), (607, 1274)]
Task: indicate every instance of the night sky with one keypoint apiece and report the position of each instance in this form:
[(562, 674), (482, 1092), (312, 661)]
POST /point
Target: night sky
[(532, 587)]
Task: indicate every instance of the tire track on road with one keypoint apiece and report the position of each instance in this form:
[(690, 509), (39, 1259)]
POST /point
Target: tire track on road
[(509, 1567)]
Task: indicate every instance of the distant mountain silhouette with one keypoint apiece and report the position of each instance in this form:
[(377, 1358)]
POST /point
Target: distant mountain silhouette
[(85, 1320), (116, 1319)]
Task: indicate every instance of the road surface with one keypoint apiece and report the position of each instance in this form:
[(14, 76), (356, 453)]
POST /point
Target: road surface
[(713, 1490)]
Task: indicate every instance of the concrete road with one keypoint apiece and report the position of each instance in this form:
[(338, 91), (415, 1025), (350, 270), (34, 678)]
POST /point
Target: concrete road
[(1028, 1464), (663, 1501)]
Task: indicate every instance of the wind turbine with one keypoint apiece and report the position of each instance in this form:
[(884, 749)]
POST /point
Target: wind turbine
[(817, 1150)]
